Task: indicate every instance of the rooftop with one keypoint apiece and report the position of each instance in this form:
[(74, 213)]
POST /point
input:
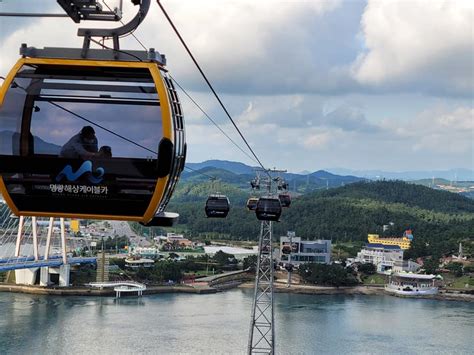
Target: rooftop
[(382, 246)]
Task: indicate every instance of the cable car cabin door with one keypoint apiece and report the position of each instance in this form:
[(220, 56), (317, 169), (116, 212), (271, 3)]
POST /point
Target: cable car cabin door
[(125, 169)]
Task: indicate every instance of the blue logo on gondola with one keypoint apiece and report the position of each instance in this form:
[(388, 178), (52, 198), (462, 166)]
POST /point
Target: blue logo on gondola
[(86, 167)]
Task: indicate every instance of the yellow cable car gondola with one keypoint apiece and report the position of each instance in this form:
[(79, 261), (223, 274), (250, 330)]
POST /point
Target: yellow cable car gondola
[(56, 109)]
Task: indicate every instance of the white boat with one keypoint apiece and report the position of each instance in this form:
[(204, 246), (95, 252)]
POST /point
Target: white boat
[(408, 284)]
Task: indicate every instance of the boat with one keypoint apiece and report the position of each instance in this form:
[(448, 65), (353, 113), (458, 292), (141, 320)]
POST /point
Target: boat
[(409, 284)]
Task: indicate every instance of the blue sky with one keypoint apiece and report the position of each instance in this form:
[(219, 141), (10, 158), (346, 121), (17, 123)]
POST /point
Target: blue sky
[(312, 84)]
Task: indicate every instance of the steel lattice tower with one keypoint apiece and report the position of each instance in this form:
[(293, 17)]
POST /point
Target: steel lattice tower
[(262, 329)]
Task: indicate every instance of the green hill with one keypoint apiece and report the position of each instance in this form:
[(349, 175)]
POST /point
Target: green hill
[(439, 219)]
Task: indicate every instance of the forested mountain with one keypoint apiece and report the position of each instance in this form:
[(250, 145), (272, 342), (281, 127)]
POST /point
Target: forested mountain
[(240, 175), (232, 166), (439, 219)]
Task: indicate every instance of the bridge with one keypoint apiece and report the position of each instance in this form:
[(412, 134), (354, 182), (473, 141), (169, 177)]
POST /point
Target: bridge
[(30, 263), (121, 286), (27, 251)]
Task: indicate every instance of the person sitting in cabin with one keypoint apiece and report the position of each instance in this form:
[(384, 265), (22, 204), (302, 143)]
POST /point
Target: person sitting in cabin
[(82, 145), (105, 152)]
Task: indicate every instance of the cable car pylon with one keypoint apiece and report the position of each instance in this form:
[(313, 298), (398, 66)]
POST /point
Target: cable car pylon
[(262, 322), (262, 330)]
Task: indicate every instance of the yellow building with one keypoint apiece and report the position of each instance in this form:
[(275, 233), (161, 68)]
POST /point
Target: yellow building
[(403, 242), (75, 225)]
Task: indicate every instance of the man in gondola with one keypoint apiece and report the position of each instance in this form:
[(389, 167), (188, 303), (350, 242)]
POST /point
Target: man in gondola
[(82, 145)]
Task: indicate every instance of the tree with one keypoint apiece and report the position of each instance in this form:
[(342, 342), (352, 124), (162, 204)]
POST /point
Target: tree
[(327, 275), (223, 258), (250, 262), (431, 265), (367, 269), (455, 268)]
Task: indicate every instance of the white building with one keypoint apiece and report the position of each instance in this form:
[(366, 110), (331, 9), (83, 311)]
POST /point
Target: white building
[(305, 251), (382, 256), (406, 266), (147, 252)]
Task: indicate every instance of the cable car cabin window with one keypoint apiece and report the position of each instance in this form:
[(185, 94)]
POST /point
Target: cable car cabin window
[(217, 206), (43, 113)]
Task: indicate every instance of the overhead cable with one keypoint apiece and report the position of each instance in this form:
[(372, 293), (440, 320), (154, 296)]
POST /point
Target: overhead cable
[(208, 83)]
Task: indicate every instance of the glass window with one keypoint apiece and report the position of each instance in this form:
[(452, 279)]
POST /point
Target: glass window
[(10, 113), (120, 104)]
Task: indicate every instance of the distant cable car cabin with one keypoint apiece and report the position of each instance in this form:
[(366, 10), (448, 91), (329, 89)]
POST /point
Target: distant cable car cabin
[(131, 103), (252, 203), (268, 209), (285, 200), (217, 206)]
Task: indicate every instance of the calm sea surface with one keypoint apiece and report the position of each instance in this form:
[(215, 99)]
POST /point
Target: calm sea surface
[(219, 324)]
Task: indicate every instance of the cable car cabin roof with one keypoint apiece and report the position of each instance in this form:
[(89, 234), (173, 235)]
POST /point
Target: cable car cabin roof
[(135, 112), (217, 201)]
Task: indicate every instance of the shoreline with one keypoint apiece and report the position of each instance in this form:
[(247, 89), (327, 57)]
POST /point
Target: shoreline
[(361, 290), (279, 288), (88, 291)]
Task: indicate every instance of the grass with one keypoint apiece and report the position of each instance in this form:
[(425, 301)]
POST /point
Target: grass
[(460, 282), (375, 279)]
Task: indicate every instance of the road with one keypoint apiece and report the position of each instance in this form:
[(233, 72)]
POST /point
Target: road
[(123, 228)]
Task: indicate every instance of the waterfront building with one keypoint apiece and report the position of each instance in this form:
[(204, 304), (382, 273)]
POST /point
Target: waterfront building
[(382, 256), (407, 284), (136, 263), (406, 266), (146, 252), (305, 251), (403, 242)]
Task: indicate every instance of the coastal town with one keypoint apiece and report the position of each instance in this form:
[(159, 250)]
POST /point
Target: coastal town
[(119, 261), (239, 177)]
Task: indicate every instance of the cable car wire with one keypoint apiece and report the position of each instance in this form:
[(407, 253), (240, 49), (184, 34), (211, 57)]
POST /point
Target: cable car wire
[(102, 127), (208, 82), (131, 33), (116, 50), (210, 119), (186, 93), (120, 136)]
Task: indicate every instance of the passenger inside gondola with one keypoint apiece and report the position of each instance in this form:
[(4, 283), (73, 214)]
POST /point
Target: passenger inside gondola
[(105, 152), (82, 145)]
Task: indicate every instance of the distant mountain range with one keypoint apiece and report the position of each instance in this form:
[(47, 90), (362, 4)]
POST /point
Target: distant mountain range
[(241, 174), (40, 146), (451, 174)]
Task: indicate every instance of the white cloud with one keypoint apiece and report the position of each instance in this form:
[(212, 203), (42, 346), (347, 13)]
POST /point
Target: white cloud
[(440, 131), (286, 71), (418, 45), (317, 140)]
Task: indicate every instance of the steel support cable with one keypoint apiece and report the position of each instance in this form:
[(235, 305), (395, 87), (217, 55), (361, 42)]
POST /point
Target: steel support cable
[(184, 91), (117, 135), (213, 122), (131, 33), (9, 240), (9, 229), (209, 84)]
